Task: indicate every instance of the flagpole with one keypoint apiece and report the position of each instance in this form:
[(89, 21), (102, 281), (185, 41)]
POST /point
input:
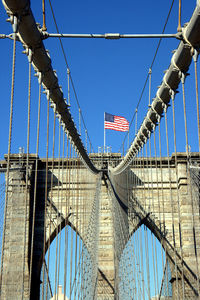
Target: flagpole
[(104, 135)]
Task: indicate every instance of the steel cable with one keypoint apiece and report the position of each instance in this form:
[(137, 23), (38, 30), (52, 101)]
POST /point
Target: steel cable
[(51, 194), (171, 202), (27, 172), (178, 197), (35, 186), (195, 58), (9, 150), (67, 65), (151, 66), (189, 184), (46, 195)]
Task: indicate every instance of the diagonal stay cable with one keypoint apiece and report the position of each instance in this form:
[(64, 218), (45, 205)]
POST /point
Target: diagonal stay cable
[(151, 66), (66, 62), (31, 36)]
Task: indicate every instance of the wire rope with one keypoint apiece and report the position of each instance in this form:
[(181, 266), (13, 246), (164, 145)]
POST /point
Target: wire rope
[(46, 195), (27, 174), (158, 200), (171, 203), (195, 58), (60, 201), (8, 158), (153, 209), (66, 217), (51, 194), (44, 28), (151, 67), (146, 233), (57, 215), (67, 65), (189, 183), (35, 185), (178, 197), (162, 194)]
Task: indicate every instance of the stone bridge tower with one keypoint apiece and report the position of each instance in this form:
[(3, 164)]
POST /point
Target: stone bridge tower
[(146, 194)]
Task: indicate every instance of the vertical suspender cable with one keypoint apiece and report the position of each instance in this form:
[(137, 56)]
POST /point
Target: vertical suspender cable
[(80, 226), (136, 116), (68, 84), (178, 198), (138, 233), (35, 184), (184, 108), (27, 169), (162, 194), (61, 204), (152, 196), (44, 28), (159, 211), (76, 277), (58, 214), (142, 268), (51, 195), (195, 58), (150, 73), (76, 220), (83, 246), (179, 17), (79, 121), (46, 192), (128, 139), (86, 139), (190, 188), (66, 217), (141, 167), (9, 148), (146, 233), (72, 232), (171, 202)]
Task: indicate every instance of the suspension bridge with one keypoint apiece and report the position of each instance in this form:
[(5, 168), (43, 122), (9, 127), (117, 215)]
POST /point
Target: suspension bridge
[(76, 223)]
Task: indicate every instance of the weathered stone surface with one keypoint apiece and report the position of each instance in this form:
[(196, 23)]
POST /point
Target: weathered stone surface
[(157, 198)]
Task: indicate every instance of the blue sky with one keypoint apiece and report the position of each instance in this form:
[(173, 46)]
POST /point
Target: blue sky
[(108, 75)]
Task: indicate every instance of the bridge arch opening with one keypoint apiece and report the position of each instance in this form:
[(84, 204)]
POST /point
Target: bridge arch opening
[(144, 268), (68, 267)]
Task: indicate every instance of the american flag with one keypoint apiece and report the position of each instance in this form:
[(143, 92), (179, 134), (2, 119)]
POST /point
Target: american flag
[(115, 123)]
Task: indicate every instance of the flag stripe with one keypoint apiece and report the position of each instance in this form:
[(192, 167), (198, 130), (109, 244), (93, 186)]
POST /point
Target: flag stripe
[(117, 123)]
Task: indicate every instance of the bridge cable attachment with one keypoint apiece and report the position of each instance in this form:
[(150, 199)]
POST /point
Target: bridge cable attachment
[(39, 76), (14, 20), (29, 54), (172, 93)]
